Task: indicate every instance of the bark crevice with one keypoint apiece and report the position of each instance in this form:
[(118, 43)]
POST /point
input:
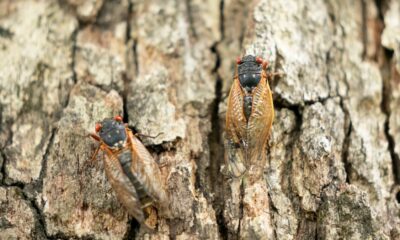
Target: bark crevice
[(346, 141), (320, 172), (125, 78), (2, 168), (30, 191), (386, 65), (190, 18), (133, 229), (215, 137)]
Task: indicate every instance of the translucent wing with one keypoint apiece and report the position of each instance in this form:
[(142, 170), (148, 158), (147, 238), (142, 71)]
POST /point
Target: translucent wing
[(148, 173), (235, 131), (259, 124), (125, 191), (246, 140)]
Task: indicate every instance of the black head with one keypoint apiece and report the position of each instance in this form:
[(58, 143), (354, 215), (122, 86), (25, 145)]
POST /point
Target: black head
[(112, 132), (249, 71)]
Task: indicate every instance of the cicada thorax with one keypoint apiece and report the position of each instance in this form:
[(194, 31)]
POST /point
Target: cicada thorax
[(249, 117), (132, 173)]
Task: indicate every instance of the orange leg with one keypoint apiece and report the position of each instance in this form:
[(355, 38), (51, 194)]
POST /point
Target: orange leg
[(163, 165), (97, 138), (151, 220), (148, 136), (279, 74), (140, 134), (93, 158)]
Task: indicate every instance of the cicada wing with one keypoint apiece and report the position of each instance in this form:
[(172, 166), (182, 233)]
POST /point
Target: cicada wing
[(235, 119), (148, 173), (234, 158), (260, 123), (235, 152), (122, 186)]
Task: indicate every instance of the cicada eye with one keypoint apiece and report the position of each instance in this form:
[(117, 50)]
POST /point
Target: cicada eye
[(259, 60), (238, 60), (98, 127), (118, 118)]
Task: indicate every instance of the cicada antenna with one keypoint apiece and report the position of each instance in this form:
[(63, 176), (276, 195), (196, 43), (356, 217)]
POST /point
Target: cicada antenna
[(148, 136)]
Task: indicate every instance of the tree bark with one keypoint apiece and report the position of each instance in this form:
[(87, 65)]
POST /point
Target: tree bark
[(333, 166)]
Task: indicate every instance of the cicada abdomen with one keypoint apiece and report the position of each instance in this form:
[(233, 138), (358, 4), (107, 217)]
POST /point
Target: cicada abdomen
[(249, 116), (132, 172)]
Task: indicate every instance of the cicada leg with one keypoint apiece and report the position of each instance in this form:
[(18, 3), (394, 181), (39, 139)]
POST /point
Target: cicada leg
[(141, 134), (148, 136), (279, 74), (151, 217), (95, 137), (93, 158), (163, 165)]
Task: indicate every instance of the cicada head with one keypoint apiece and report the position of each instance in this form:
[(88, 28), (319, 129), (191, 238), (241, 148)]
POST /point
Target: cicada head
[(112, 132), (249, 71)]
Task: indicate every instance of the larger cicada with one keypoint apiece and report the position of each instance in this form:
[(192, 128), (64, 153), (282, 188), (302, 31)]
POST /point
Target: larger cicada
[(131, 171), (249, 116)]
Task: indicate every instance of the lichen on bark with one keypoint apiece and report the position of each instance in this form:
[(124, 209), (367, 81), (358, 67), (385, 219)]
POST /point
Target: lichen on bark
[(333, 166)]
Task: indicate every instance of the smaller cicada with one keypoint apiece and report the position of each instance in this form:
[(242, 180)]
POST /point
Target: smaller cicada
[(249, 116), (132, 172)]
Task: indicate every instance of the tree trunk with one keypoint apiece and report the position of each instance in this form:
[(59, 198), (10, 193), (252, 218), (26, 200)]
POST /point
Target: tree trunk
[(333, 166)]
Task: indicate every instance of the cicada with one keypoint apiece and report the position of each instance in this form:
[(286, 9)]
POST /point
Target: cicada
[(131, 171), (249, 116)]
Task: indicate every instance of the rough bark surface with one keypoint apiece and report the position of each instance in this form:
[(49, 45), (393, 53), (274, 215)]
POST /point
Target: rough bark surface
[(333, 159)]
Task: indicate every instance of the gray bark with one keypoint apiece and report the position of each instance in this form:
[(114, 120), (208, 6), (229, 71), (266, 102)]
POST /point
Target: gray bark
[(333, 166)]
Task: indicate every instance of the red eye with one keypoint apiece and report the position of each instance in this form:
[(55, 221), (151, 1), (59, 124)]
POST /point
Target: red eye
[(259, 60), (98, 127), (238, 60), (118, 118)]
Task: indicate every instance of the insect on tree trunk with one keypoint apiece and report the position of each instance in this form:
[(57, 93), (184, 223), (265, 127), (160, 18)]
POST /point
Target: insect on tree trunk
[(332, 161)]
